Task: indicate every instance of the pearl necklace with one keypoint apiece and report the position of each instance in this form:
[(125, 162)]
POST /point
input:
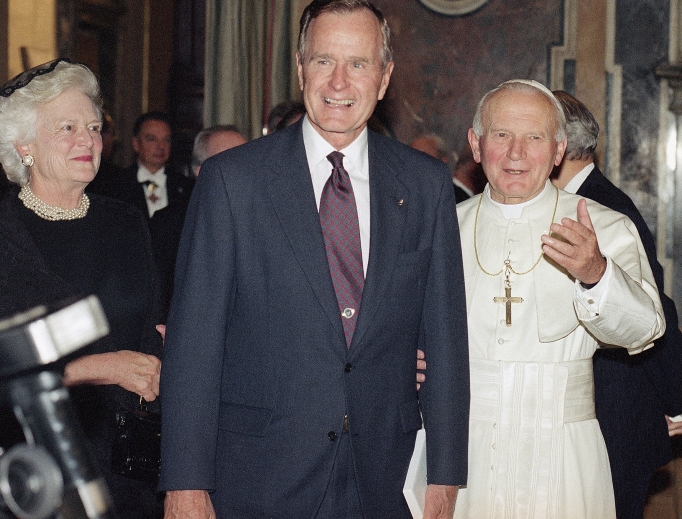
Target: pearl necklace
[(50, 212)]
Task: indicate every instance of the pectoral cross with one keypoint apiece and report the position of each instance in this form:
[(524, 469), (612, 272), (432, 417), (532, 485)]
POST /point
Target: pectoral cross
[(507, 300)]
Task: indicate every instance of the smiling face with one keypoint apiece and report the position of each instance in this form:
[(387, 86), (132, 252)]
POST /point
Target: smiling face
[(341, 76), (518, 146), (68, 144)]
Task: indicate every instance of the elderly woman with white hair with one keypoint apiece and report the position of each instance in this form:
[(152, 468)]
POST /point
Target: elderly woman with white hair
[(57, 242)]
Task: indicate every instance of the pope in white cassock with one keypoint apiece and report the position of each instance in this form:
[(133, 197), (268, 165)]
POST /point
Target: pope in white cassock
[(550, 277)]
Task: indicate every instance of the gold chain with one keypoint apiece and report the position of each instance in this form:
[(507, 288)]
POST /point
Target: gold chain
[(507, 263)]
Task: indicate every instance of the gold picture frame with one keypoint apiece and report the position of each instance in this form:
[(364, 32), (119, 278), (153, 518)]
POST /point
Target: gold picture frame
[(453, 7)]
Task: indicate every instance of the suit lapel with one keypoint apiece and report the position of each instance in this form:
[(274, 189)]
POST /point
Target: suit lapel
[(387, 218), (591, 182), (291, 191)]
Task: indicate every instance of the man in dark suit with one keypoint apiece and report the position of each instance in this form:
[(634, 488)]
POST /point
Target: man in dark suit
[(632, 393), (279, 399), (159, 190)]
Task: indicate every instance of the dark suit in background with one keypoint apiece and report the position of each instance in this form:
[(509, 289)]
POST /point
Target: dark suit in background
[(460, 194), (633, 393), (257, 377), (165, 225)]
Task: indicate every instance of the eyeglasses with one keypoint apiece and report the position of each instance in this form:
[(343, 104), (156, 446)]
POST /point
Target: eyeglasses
[(29, 75)]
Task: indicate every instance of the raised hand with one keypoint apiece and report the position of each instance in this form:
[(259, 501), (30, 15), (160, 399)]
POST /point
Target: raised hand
[(573, 245)]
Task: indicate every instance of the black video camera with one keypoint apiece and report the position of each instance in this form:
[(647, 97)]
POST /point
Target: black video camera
[(52, 473)]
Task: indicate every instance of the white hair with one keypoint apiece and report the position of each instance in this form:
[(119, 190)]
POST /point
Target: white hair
[(19, 111), (522, 85)]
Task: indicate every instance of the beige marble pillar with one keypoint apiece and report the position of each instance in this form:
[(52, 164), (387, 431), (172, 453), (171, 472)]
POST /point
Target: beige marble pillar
[(590, 57)]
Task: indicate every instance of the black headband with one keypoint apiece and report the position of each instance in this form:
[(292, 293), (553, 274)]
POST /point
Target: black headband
[(29, 75)]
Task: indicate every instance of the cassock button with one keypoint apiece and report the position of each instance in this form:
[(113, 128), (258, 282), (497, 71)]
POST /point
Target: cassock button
[(332, 436), (348, 367), (348, 313)]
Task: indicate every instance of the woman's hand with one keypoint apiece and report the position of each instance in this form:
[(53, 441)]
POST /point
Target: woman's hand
[(674, 426), (161, 328), (421, 366), (131, 370)]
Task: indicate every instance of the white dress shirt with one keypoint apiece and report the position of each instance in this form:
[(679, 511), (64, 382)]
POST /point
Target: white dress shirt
[(156, 194), (356, 163), (577, 181)]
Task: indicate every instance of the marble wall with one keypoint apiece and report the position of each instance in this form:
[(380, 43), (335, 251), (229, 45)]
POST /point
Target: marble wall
[(641, 45), (444, 64)]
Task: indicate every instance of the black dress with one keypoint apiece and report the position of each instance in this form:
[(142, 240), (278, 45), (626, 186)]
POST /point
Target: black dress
[(107, 253)]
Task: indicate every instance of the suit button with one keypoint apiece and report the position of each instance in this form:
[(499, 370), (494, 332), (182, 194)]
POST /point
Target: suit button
[(332, 436), (348, 367)]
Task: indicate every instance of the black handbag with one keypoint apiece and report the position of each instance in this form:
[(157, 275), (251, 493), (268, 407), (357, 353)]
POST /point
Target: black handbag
[(136, 452)]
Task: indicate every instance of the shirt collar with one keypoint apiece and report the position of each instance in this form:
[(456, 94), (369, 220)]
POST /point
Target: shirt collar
[(577, 181), (515, 210), (317, 148), (144, 175)]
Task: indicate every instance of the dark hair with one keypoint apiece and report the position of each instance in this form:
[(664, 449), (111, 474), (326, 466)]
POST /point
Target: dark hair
[(280, 110), (318, 7), (291, 117), (150, 116), (582, 129)]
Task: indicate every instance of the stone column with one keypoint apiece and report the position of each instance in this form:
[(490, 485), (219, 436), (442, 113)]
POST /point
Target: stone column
[(673, 74)]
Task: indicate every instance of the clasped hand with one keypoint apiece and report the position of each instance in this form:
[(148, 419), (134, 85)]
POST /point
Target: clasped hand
[(573, 245)]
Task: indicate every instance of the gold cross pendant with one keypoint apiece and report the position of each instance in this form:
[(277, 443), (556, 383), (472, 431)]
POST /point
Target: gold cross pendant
[(507, 299)]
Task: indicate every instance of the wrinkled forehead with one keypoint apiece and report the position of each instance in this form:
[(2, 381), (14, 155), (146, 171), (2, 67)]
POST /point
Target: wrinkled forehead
[(526, 105)]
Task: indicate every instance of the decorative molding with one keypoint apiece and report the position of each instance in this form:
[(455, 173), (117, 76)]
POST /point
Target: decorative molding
[(562, 53), (453, 7)]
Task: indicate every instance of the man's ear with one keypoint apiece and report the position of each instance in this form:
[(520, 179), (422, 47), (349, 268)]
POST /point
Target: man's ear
[(136, 144), (299, 71)]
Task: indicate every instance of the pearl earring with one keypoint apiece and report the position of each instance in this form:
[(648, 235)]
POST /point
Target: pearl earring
[(27, 160)]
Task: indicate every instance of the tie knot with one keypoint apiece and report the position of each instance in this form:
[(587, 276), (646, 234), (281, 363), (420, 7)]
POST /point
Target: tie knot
[(336, 158)]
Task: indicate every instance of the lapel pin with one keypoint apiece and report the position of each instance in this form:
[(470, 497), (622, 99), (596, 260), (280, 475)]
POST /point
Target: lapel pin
[(400, 202)]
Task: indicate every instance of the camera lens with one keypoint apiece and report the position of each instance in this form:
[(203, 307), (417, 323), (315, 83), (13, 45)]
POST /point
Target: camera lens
[(31, 482)]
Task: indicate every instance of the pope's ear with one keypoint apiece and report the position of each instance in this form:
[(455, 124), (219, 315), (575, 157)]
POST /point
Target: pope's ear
[(561, 149), (475, 143)]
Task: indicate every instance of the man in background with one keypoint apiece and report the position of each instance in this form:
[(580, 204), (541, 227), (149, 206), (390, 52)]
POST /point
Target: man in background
[(433, 145), (158, 189), (467, 178), (632, 394), (213, 140)]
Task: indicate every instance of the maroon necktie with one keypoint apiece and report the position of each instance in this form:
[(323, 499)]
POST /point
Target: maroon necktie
[(339, 219)]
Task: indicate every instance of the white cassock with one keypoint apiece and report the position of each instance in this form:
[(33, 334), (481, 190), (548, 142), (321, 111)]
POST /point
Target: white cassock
[(535, 447)]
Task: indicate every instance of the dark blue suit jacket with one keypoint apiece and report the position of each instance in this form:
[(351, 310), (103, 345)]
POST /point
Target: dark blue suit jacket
[(256, 376), (632, 393)]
